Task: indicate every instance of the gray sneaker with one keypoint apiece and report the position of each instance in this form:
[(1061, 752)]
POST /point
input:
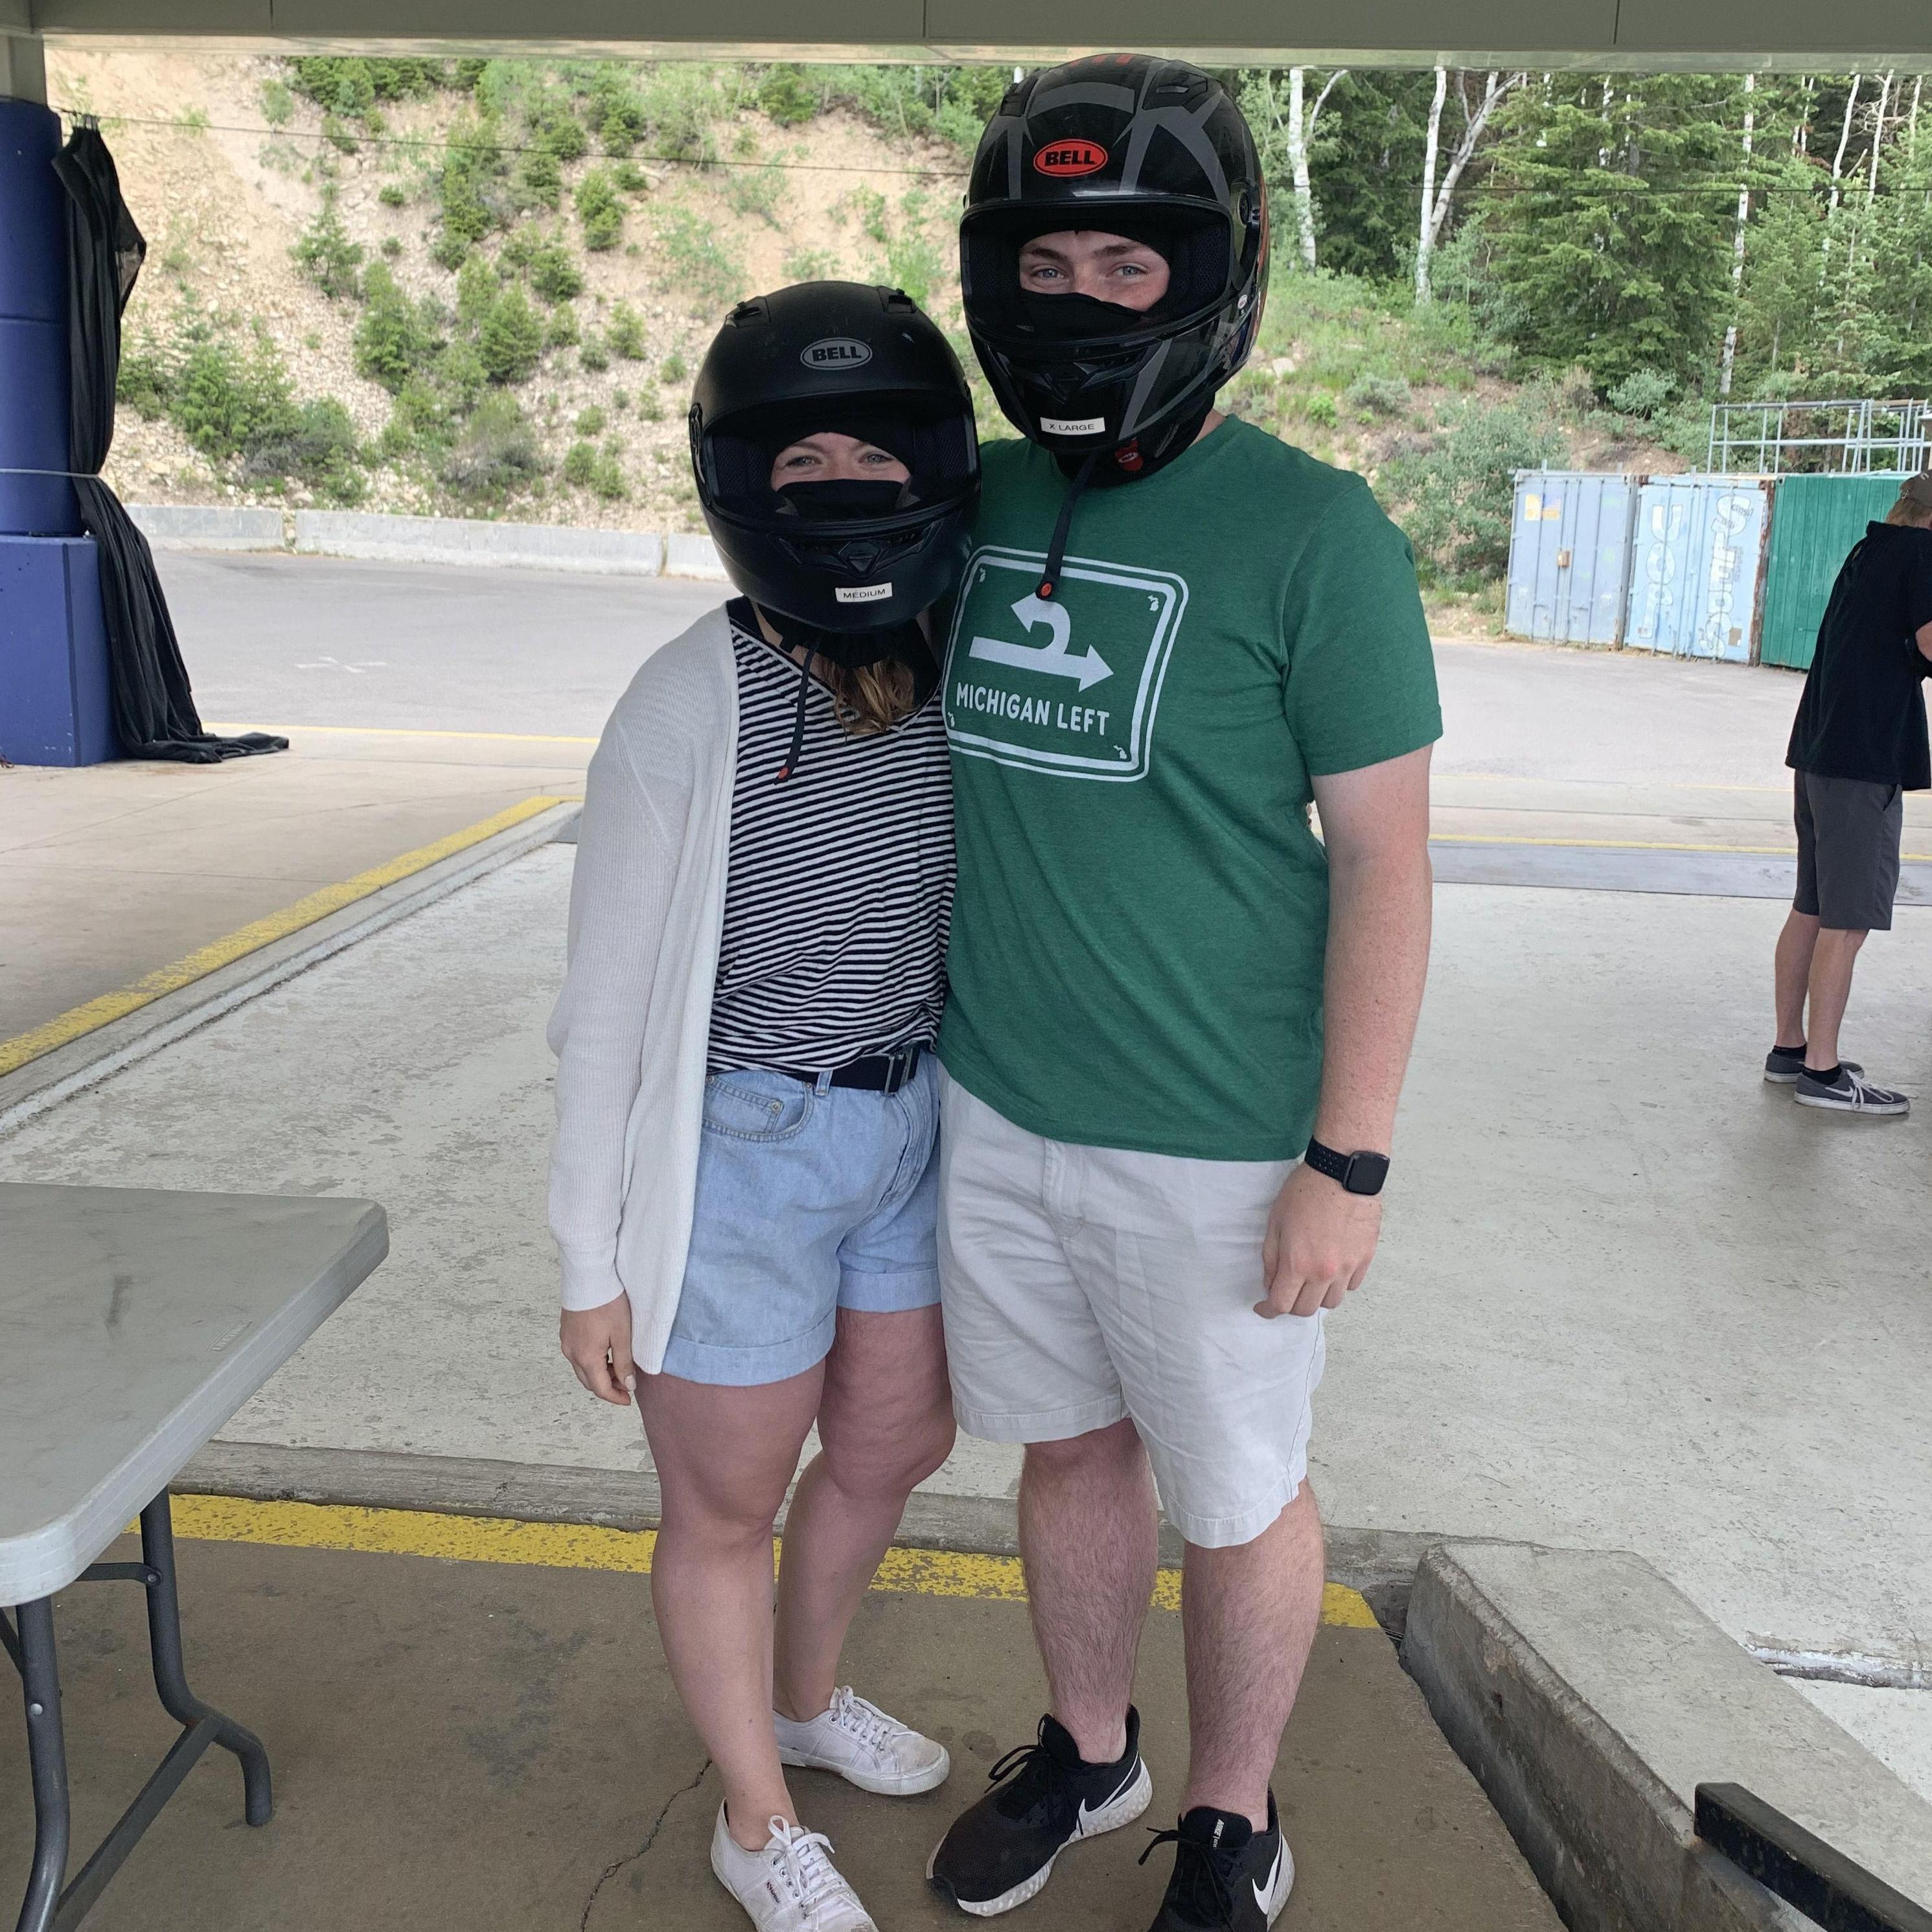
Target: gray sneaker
[(1851, 1093), (1783, 1065)]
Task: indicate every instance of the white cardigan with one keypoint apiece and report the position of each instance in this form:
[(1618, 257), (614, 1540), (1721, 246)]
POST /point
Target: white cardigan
[(631, 1029)]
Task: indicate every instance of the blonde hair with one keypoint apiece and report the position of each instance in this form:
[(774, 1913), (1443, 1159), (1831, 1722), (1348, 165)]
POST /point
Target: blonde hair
[(872, 700), (1912, 514)]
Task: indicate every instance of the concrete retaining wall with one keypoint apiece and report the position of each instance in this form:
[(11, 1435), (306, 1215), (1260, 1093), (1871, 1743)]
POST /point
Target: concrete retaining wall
[(458, 540), (1590, 1698)]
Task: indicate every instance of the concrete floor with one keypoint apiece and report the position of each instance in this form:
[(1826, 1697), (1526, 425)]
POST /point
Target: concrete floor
[(1629, 1297), (473, 1746)]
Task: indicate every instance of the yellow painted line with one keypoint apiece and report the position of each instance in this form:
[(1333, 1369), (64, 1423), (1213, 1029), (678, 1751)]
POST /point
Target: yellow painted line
[(564, 1546), (77, 1020), (393, 731), (1640, 845)]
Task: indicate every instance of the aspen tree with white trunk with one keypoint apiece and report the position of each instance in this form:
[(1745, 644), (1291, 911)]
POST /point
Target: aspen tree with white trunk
[(1438, 202)]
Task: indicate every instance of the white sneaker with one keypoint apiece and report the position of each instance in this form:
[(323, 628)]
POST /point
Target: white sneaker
[(792, 1885), (865, 1747)]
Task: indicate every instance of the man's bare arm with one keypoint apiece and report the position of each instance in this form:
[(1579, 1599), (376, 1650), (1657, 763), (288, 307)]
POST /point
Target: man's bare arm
[(1375, 823)]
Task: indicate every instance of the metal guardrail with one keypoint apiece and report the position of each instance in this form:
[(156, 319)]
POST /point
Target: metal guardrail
[(1801, 1868), (1845, 435)]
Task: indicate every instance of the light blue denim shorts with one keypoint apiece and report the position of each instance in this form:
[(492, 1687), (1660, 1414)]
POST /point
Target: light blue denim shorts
[(810, 1199)]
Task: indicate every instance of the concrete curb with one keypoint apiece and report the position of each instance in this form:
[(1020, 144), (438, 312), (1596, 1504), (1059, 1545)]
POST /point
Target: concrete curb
[(1590, 1697), (448, 540), (45, 1081), (207, 526), (1365, 1560)]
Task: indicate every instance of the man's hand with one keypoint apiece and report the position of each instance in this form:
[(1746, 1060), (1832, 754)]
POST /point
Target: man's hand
[(597, 1344), (1321, 1240)]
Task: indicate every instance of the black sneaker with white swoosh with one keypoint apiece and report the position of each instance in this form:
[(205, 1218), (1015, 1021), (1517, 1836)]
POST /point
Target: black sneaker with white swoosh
[(1043, 1796), (1227, 1877)]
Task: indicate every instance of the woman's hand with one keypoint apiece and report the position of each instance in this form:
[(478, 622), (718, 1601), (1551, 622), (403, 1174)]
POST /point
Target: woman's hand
[(597, 1344)]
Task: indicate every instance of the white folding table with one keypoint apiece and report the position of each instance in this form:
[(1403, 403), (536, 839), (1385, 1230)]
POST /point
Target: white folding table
[(134, 1323)]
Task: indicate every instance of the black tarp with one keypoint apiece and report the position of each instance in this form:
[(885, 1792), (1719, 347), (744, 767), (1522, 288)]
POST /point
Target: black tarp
[(154, 707)]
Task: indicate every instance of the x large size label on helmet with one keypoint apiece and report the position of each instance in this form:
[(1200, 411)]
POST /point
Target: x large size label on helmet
[(1068, 686)]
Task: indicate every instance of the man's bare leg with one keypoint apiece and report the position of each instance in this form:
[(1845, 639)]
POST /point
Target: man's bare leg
[(1248, 1615), (1831, 987), (1088, 1537), (1792, 976)]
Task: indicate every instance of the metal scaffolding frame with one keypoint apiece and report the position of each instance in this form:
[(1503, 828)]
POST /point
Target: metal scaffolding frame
[(1840, 436)]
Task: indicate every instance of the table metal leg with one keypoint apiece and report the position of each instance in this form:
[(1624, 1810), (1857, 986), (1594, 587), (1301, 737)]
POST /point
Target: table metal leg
[(49, 1909), (46, 1755), (158, 1548)]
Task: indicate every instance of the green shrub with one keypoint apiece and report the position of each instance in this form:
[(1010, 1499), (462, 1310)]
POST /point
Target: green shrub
[(392, 194), (810, 265), (422, 415), (673, 370), (325, 254), (580, 464), (338, 136), (510, 339), (787, 97), (1378, 396), (625, 334), (563, 135), (702, 260), (1319, 406), (467, 190), (392, 246), (144, 381), (225, 399), (756, 191), (631, 178), (1456, 496), (352, 84), (318, 447), (278, 104), (1641, 393), (554, 274), (606, 478), (460, 369), (497, 453), (477, 289), (395, 337), (520, 245), (561, 330), (590, 422), (539, 179), (592, 354), (600, 211), (650, 404)]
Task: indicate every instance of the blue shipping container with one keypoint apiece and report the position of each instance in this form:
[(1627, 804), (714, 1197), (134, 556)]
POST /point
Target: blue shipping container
[(1696, 576), (1569, 564)]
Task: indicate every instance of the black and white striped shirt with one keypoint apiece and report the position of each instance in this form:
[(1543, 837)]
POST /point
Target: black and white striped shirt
[(839, 893)]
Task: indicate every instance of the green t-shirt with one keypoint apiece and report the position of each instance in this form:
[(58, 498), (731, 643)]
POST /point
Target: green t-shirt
[(1138, 938)]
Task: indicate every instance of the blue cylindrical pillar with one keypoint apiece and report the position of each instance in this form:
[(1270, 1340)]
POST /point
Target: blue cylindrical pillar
[(34, 375)]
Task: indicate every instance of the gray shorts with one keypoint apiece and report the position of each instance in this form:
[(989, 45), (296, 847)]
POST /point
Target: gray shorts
[(1083, 1285), (1848, 838)]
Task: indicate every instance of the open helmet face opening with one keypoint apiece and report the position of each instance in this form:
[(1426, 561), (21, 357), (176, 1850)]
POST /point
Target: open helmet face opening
[(862, 362), (1123, 144)]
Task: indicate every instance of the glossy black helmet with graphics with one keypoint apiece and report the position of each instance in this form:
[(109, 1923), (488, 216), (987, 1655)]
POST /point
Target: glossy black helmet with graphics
[(1132, 145), (854, 564)]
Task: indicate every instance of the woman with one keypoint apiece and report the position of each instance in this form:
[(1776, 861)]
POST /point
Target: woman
[(744, 1186)]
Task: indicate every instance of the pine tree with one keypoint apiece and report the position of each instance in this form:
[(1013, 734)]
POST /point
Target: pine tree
[(1612, 228)]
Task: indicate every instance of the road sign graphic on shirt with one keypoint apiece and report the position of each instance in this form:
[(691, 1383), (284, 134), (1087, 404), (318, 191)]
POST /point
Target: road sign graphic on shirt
[(1068, 685)]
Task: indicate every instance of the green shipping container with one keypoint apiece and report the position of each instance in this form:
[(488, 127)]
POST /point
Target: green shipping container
[(1814, 522)]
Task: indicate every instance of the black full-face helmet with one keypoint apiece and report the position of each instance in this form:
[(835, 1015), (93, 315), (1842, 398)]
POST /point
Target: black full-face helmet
[(1132, 145), (852, 563)]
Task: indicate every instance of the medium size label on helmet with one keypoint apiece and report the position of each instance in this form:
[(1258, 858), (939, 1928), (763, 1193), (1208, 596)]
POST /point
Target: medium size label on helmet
[(861, 593), (1073, 425), (835, 352), (1070, 157)]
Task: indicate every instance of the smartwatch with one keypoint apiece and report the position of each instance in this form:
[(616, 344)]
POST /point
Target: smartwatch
[(1362, 1173)]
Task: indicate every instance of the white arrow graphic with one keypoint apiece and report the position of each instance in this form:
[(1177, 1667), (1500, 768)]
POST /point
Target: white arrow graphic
[(1054, 659)]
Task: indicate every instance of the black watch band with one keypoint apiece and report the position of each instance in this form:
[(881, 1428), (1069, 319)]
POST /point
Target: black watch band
[(1362, 1173)]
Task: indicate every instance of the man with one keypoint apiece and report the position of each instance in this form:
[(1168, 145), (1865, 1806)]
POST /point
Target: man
[(1174, 633), (1857, 744)]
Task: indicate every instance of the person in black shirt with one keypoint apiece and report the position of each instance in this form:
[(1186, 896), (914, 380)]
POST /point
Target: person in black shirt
[(1857, 744)]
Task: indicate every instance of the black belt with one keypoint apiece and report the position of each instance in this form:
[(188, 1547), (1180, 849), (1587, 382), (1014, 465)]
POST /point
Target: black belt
[(876, 1073)]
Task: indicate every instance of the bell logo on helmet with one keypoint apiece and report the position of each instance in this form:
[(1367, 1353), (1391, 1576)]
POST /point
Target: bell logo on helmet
[(861, 593), (836, 351), (1070, 157), (1073, 425)]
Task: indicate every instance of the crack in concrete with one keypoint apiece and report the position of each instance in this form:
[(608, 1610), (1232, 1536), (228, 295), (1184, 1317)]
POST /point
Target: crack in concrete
[(611, 1871)]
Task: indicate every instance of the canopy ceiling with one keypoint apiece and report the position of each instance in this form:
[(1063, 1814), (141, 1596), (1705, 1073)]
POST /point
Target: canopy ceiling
[(1709, 35)]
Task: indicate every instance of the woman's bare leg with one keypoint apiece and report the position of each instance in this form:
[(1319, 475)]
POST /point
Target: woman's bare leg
[(723, 1457), (885, 1420)]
